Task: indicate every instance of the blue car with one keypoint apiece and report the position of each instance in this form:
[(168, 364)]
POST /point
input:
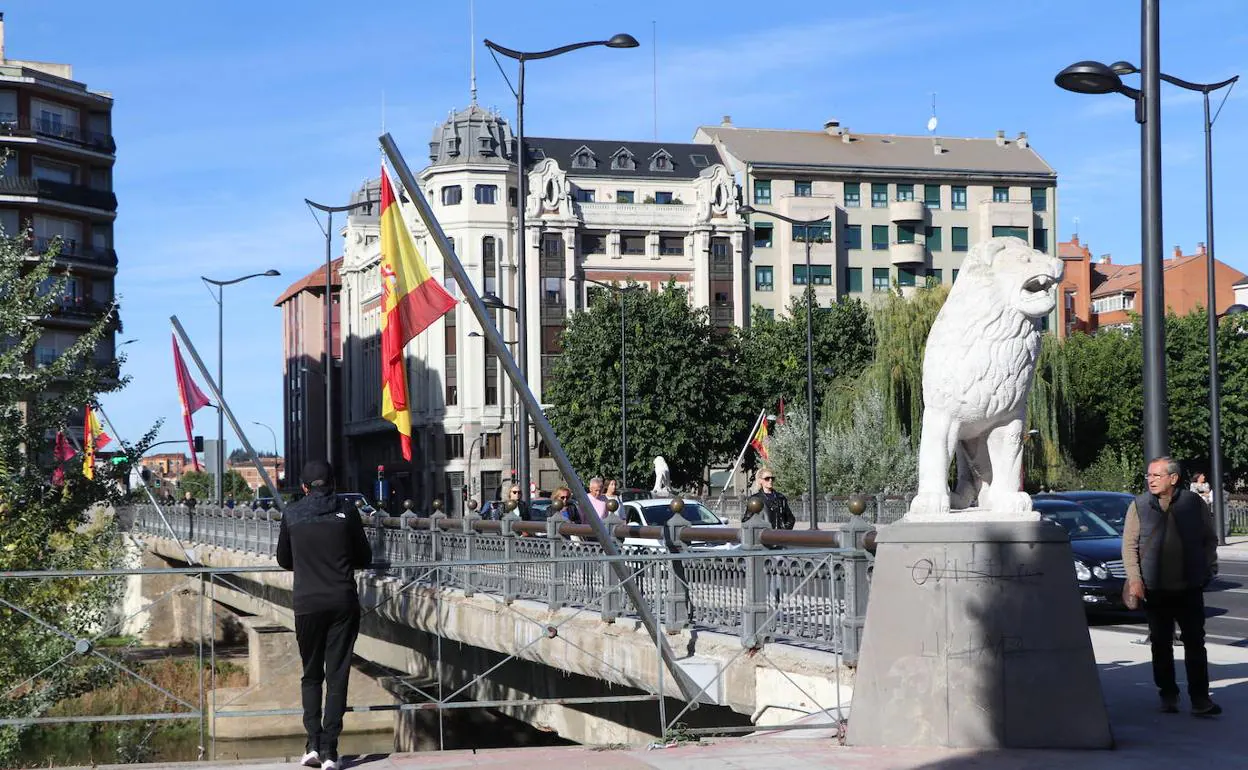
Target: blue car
[(1097, 548)]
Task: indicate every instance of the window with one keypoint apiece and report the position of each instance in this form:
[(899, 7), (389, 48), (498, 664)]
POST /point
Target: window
[(958, 194), (879, 237), (452, 381), (762, 235), (623, 196), (584, 159), (486, 194), (633, 244), (698, 160), (905, 192), (491, 484), (935, 277), (452, 195), (802, 189), (489, 264), (764, 279), (955, 275), (879, 279), (932, 234), (593, 244), (958, 236), (492, 446), (820, 275), (623, 160), (54, 172), (454, 446), (853, 236), (1000, 195), (931, 196), (491, 380), (1121, 301), (879, 196), (513, 195), (1039, 199), (853, 279), (820, 233), (671, 245), (661, 161), (552, 290), (584, 196), (905, 233), (1040, 239), (1002, 231), (853, 195), (663, 197), (762, 191), (905, 276), (552, 246)]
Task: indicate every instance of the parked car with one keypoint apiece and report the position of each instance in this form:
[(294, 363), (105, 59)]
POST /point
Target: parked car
[(654, 512), (539, 509), (1097, 548), (1110, 506), (356, 500)]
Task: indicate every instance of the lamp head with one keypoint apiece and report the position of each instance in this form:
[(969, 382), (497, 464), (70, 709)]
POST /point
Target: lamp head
[(1089, 77), (747, 210), (1124, 68), (492, 300), (1236, 309), (271, 272), (622, 41)]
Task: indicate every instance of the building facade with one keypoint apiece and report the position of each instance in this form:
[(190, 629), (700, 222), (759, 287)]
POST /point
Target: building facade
[(1074, 300), (1116, 289), (304, 368), (1241, 292), (57, 188), (596, 210), (274, 466), (902, 210)]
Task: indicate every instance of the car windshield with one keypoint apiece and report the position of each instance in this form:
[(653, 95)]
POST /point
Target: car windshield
[(539, 509), (1079, 522), (1113, 509), (658, 513)]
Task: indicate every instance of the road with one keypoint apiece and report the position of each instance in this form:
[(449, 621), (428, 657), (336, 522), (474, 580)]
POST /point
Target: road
[(1226, 609)]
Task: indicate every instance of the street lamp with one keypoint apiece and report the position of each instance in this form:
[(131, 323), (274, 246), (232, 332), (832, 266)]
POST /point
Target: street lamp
[(271, 433), (806, 225), (219, 297), (621, 290), (329, 316), (1091, 77), (519, 449), (1215, 396), (522, 328), (511, 441)]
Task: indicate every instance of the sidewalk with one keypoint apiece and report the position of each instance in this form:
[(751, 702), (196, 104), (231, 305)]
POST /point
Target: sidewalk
[(1144, 737), (1236, 549)]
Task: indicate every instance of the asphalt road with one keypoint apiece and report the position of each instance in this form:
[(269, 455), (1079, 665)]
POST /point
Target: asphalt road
[(1226, 609)]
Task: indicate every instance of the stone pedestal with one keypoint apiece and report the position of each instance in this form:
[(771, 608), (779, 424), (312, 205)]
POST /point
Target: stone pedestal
[(976, 637)]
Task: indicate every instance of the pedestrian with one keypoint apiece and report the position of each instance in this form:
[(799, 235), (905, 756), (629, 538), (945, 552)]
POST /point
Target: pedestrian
[(513, 496), (775, 504), (612, 492), (322, 540), (1170, 553), (568, 508), (596, 498), (1201, 487)]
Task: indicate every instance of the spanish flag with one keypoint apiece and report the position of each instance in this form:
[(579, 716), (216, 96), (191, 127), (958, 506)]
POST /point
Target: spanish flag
[(759, 438), (411, 299), (93, 438)]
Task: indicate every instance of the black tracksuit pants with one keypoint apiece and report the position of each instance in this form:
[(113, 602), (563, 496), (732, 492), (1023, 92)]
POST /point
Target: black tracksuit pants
[(326, 639)]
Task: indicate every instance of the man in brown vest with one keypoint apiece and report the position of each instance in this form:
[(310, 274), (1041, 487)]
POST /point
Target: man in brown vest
[(1170, 552)]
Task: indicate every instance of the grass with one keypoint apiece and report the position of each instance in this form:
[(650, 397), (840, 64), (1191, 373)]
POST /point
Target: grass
[(180, 677)]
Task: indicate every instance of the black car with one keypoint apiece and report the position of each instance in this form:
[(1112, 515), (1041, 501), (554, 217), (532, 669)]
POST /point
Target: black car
[(1110, 506), (1097, 549)]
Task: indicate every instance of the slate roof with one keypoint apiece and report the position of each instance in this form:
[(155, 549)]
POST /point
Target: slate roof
[(686, 160), (1242, 282), (776, 147), (313, 281)]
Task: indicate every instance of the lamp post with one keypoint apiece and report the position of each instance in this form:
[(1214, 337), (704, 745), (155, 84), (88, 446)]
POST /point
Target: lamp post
[(329, 316), (519, 460), (622, 291), (1215, 405), (511, 441), (220, 297), (271, 433), (1092, 77), (522, 302), (468, 481), (806, 225)]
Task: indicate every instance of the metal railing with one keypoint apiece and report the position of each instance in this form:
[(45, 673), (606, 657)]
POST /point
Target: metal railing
[(24, 125), (79, 195)]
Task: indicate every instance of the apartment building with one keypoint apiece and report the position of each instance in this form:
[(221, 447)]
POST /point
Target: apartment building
[(1074, 300), (1117, 289), (57, 185), (605, 210), (902, 210)]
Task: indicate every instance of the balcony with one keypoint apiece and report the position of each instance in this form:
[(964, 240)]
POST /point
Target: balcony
[(72, 251), (79, 311), (74, 194), (636, 215), (907, 211), (88, 140), (907, 253), (1005, 214)]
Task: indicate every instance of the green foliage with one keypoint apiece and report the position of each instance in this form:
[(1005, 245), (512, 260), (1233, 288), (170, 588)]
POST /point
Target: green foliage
[(202, 485), (1113, 471), (43, 526)]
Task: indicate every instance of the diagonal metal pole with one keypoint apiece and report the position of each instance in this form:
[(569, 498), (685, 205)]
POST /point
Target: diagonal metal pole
[(531, 407)]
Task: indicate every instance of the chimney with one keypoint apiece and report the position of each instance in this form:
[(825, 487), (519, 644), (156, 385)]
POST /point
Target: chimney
[(1074, 239), (845, 137), (936, 148), (727, 121), (833, 127), (1178, 251), (1107, 259), (1022, 139), (1200, 249), (1000, 138), (1, 35)]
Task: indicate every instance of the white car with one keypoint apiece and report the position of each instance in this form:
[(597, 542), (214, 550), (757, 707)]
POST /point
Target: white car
[(655, 512)]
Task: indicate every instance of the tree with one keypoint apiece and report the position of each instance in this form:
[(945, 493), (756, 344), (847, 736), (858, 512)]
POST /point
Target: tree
[(203, 486), (695, 408), (45, 525)]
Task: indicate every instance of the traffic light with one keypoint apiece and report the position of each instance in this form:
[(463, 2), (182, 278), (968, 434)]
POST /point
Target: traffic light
[(199, 443)]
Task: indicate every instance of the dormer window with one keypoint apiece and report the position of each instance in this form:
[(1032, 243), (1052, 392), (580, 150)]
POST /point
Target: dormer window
[(623, 160), (661, 161), (584, 158), (485, 144)]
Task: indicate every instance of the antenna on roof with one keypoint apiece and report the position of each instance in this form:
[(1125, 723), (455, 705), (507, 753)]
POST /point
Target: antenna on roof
[(1076, 227), (931, 122), (654, 55), (472, 50)]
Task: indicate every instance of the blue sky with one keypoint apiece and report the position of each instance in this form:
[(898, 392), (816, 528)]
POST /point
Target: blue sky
[(227, 117)]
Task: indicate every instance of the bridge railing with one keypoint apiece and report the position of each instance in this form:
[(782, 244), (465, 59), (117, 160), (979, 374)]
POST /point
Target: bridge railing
[(807, 586)]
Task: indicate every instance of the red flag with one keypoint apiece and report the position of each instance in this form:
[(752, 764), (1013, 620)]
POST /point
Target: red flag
[(192, 398), (780, 419), (62, 451)]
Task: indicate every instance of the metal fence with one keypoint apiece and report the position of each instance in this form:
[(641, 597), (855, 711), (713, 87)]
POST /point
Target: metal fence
[(1237, 514)]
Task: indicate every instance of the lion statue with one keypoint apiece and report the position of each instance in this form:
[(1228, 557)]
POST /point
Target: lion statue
[(977, 370), (662, 478)]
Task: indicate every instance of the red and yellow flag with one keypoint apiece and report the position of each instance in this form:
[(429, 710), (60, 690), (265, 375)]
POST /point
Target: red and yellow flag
[(411, 299), (93, 438), (760, 437)]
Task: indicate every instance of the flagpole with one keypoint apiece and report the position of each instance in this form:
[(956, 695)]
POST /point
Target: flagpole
[(762, 415)]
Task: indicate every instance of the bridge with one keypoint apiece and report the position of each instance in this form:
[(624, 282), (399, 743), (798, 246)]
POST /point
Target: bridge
[(530, 619)]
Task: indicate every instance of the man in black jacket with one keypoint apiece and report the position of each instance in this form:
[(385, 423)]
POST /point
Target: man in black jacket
[(322, 540), (775, 505), (1170, 553)]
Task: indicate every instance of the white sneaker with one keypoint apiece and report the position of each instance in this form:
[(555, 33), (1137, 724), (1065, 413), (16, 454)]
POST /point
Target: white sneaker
[(311, 759), (329, 764)]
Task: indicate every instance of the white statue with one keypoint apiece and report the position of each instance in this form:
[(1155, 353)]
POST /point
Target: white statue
[(662, 478), (977, 370)]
